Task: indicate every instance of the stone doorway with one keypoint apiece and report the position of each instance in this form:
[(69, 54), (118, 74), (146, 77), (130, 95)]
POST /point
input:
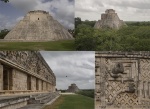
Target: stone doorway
[(37, 84), (7, 78), (29, 82)]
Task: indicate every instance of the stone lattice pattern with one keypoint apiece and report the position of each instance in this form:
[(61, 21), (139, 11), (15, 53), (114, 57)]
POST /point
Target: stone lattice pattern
[(38, 26), (127, 89), (109, 19)]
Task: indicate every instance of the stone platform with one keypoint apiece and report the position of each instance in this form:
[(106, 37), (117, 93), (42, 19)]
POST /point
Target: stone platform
[(26, 101)]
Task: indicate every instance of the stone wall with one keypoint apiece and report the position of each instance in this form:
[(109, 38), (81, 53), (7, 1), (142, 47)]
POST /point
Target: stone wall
[(122, 80), (31, 61), (1, 77), (40, 84), (44, 86), (15, 106), (24, 71), (19, 80), (33, 83)]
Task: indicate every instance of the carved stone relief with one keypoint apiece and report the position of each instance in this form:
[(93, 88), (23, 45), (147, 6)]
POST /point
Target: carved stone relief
[(122, 82)]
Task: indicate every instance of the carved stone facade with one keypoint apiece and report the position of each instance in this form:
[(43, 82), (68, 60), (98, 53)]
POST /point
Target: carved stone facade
[(24, 72), (109, 19), (122, 80), (38, 26)]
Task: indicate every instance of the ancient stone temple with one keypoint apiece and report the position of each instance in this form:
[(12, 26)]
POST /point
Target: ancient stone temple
[(122, 80), (73, 88), (38, 26), (109, 19), (27, 75)]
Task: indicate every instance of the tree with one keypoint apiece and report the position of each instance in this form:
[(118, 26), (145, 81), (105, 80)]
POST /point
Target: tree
[(77, 21), (5, 1), (3, 33)]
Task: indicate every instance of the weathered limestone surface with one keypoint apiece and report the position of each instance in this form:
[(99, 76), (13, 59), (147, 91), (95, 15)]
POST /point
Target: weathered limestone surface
[(27, 101), (122, 80), (38, 26), (1, 77), (25, 71), (15, 106), (73, 88), (109, 19), (19, 84)]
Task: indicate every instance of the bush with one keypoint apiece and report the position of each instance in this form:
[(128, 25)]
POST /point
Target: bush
[(89, 93)]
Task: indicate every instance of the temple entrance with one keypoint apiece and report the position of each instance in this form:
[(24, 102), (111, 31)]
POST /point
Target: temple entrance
[(42, 86), (7, 78), (37, 84), (28, 82)]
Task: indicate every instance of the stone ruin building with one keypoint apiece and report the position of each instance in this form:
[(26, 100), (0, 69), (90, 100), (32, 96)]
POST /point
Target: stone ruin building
[(38, 26), (73, 88), (122, 80), (27, 75), (109, 19)]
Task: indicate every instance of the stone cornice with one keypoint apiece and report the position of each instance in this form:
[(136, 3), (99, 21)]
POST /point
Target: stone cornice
[(120, 54)]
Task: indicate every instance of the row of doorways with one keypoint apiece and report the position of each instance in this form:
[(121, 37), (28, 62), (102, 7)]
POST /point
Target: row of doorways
[(8, 80)]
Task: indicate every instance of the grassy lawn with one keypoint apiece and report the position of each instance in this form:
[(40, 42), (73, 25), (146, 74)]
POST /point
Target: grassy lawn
[(72, 102), (53, 45)]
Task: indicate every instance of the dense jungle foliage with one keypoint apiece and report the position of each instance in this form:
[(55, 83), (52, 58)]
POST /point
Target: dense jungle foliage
[(88, 93), (134, 37), (3, 33)]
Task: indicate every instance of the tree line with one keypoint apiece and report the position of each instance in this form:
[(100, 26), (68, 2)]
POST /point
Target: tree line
[(134, 37)]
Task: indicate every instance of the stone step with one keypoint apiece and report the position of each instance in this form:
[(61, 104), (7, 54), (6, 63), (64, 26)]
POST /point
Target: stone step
[(43, 101), (32, 106), (7, 100), (43, 98), (13, 100)]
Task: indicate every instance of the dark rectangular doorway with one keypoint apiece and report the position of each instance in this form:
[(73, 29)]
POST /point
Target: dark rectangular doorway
[(37, 84), (28, 82), (7, 78)]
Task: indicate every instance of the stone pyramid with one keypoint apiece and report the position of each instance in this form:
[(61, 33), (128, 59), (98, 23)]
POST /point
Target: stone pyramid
[(73, 88), (38, 26), (109, 19)]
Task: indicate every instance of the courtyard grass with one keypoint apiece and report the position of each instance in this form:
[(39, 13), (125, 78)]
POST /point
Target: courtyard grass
[(72, 102), (67, 45)]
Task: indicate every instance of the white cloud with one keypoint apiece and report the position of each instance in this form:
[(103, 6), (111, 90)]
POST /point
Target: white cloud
[(7, 23), (135, 10), (62, 10)]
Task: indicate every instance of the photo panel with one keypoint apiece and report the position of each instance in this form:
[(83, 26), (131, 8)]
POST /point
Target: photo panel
[(47, 79), (37, 25), (122, 80)]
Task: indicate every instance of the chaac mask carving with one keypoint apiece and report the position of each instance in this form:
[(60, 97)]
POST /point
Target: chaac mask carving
[(117, 70)]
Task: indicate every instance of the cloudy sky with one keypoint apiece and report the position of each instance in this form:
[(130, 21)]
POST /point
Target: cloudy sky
[(78, 66), (128, 10), (15, 10)]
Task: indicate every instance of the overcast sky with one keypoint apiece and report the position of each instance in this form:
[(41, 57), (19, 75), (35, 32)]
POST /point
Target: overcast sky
[(128, 10), (15, 10), (78, 66)]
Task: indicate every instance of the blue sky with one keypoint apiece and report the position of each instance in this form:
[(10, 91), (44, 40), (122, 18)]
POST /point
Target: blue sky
[(15, 10)]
